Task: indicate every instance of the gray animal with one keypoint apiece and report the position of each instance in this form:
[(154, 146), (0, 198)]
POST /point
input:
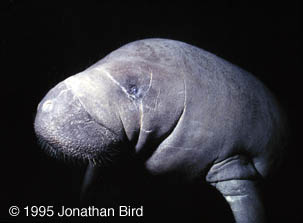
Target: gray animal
[(189, 111)]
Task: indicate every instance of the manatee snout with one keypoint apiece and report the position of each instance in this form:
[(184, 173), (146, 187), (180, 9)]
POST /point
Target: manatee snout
[(66, 129)]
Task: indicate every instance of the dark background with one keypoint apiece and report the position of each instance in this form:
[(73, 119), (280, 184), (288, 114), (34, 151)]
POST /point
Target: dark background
[(43, 42)]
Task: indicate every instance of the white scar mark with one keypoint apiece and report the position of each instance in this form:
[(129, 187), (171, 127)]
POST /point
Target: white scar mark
[(141, 105), (47, 106), (141, 119), (150, 81), (101, 69), (63, 91), (75, 96), (156, 104), (235, 198), (114, 80), (177, 147), (184, 100)]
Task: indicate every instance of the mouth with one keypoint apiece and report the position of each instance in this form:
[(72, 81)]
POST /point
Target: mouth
[(66, 131), (54, 151), (101, 150)]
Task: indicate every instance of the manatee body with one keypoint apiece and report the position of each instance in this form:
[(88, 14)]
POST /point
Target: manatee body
[(183, 109)]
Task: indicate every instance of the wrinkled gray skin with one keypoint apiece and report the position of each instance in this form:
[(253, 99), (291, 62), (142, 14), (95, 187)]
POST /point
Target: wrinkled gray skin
[(196, 115)]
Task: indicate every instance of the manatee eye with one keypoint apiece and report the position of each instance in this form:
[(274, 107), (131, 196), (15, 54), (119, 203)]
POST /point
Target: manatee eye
[(133, 89)]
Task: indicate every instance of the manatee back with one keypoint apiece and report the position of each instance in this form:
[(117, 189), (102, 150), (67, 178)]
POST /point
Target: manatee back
[(231, 111), (225, 100), (238, 107)]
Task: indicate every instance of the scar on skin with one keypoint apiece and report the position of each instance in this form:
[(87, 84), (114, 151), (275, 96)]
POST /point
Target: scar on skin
[(114, 80), (178, 147), (155, 105), (128, 95), (150, 81), (235, 198), (47, 106), (69, 88), (141, 119), (63, 91), (141, 105)]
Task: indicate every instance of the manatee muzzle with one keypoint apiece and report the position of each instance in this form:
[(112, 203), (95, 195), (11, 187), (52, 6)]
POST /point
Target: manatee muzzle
[(66, 129)]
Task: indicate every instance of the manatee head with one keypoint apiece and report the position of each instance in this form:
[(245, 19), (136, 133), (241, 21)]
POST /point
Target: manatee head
[(66, 128), (121, 104)]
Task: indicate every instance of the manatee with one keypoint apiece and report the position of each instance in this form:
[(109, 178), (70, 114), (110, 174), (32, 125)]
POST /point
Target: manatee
[(178, 108)]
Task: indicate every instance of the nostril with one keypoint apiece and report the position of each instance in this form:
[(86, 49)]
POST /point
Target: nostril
[(47, 106)]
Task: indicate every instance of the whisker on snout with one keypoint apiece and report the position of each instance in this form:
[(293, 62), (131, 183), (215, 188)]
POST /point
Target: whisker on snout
[(104, 159)]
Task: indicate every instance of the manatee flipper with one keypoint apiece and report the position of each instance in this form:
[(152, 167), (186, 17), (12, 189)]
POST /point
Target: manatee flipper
[(237, 180), (244, 200), (92, 175)]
